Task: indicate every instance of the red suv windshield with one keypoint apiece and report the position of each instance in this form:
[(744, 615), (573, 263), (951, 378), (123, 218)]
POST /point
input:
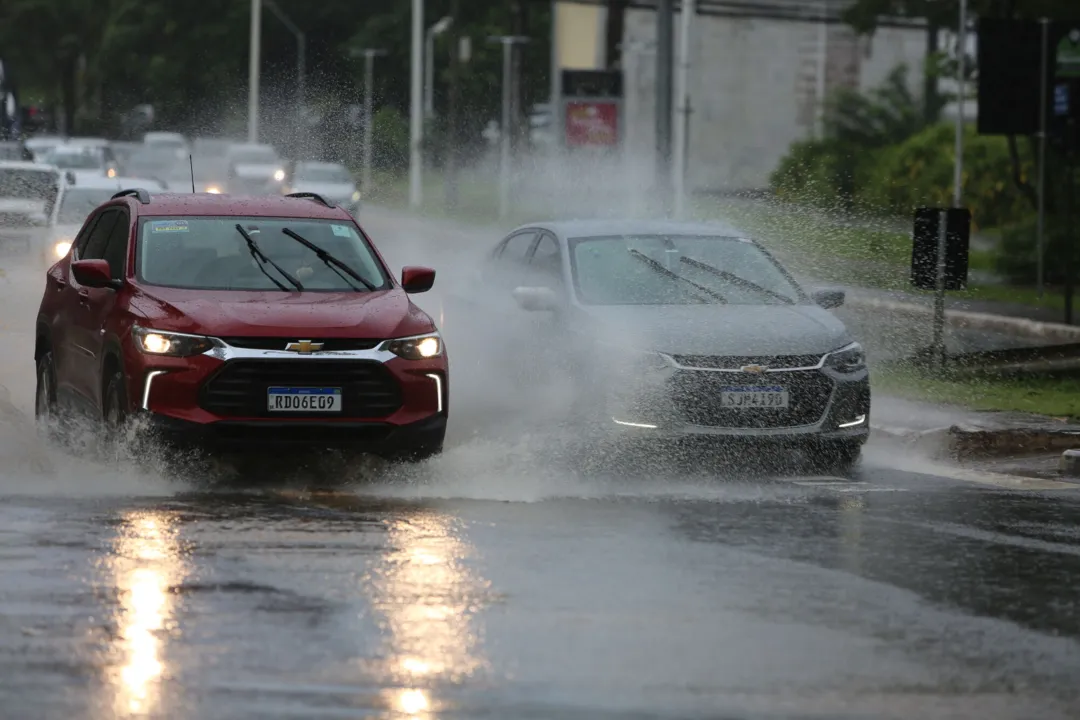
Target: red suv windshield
[(209, 253)]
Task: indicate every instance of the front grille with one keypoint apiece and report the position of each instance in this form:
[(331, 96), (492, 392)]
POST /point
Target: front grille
[(697, 398), (734, 362), (239, 389), (279, 343)]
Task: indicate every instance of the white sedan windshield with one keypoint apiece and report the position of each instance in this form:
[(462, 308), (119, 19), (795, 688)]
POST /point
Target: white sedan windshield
[(677, 270)]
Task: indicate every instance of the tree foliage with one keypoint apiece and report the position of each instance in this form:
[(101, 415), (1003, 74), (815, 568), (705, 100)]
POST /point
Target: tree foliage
[(188, 58)]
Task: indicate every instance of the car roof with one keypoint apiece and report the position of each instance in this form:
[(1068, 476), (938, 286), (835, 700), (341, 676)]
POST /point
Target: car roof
[(250, 146), (593, 228), (224, 205), (320, 164), (101, 182), (27, 165)]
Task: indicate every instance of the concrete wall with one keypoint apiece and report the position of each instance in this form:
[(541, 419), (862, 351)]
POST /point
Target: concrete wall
[(756, 87)]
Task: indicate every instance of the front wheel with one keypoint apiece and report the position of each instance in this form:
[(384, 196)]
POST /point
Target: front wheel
[(838, 457), (45, 403)]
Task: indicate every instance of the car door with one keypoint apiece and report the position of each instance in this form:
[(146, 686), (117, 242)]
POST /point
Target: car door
[(68, 351), (94, 304)]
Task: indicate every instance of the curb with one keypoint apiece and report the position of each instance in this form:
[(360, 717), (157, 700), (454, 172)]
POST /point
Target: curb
[(961, 443), (966, 319)]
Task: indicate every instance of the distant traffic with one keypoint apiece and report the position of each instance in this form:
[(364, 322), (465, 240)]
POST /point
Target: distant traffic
[(50, 184)]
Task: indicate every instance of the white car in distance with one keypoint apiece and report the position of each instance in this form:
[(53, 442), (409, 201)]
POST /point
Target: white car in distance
[(330, 180)]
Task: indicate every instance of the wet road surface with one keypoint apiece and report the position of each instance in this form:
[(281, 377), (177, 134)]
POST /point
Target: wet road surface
[(894, 594), (503, 581)]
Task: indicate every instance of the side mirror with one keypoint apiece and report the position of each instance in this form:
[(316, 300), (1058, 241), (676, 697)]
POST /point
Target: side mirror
[(536, 299), (93, 273), (828, 299), (417, 279)]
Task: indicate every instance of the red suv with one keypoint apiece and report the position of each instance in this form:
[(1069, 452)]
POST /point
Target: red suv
[(236, 322)]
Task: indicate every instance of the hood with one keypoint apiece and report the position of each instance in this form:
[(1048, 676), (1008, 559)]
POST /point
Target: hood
[(383, 314), (341, 192), (723, 329), (257, 172), (21, 205)]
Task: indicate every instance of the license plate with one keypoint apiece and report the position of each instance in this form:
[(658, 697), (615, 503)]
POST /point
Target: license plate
[(303, 399), (754, 397)]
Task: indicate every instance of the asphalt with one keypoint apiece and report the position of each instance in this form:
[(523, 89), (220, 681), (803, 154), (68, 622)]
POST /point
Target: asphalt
[(509, 579)]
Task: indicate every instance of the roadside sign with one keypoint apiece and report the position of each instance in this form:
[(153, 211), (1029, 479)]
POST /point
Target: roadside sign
[(1068, 55), (592, 123), (590, 110), (927, 240)]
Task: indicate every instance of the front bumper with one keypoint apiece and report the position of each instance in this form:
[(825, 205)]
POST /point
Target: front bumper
[(248, 435), (219, 399), (683, 404)]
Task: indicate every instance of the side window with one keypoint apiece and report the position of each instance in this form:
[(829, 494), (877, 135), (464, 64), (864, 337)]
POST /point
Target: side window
[(546, 261), (117, 246), (517, 247), (92, 243)]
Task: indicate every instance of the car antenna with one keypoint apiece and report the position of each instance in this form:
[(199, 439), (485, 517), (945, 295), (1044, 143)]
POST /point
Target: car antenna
[(191, 166)]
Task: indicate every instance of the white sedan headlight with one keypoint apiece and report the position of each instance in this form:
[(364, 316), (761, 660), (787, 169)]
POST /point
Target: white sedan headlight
[(279, 175), (356, 196), (61, 248), (848, 359)]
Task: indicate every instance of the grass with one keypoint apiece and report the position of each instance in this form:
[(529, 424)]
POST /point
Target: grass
[(1056, 395)]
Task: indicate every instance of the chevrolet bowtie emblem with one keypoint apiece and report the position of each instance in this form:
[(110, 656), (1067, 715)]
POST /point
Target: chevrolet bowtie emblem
[(756, 369), (304, 347)]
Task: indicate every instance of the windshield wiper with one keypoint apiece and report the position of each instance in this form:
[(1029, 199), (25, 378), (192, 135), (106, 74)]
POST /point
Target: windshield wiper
[(734, 279), (331, 262), (659, 267), (260, 258)]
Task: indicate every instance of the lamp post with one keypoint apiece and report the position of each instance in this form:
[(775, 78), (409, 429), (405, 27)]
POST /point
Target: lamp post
[(429, 70), (253, 71), (507, 42), (416, 99), (301, 59)]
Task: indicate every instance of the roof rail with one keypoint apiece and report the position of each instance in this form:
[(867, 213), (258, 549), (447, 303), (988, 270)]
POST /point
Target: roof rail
[(142, 195), (311, 196)]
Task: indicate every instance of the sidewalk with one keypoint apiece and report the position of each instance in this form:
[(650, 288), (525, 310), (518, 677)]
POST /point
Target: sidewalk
[(956, 433)]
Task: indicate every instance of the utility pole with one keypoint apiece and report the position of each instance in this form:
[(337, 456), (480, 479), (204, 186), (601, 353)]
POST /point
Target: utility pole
[(687, 16), (665, 63), (253, 72), (961, 70), (369, 91), (301, 72), (416, 109), (1040, 230), (460, 50), (507, 42), (429, 68)]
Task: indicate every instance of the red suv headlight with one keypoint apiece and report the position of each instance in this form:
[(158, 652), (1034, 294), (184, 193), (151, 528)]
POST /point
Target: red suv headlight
[(171, 344)]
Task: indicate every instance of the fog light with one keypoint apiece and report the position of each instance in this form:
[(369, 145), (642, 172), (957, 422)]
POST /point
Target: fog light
[(61, 249)]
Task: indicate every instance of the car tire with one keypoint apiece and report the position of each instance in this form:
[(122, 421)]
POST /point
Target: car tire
[(46, 407), (114, 412), (839, 458)]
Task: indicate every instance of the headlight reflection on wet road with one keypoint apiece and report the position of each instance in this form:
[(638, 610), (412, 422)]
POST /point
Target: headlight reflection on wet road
[(428, 598), (146, 562)]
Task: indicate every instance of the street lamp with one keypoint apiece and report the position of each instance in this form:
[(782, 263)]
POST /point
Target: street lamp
[(369, 81), (253, 72), (301, 53), (429, 71), (507, 42), (416, 110)]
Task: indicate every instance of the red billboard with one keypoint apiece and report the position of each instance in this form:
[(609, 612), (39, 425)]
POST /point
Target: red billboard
[(592, 123)]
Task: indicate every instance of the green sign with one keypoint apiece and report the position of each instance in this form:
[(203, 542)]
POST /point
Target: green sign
[(1068, 55)]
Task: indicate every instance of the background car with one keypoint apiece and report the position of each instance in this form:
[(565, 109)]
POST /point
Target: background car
[(28, 195), (332, 181), (77, 201), (84, 159), (174, 142), (254, 169), (674, 333)]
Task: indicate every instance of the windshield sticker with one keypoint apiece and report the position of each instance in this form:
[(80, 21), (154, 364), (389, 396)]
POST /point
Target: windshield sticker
[(341, 230), (169, 226)]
